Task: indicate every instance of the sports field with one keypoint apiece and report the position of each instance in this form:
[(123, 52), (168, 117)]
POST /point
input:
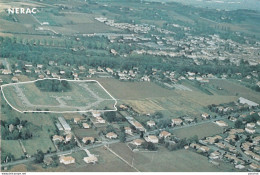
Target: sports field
[(83, 96)]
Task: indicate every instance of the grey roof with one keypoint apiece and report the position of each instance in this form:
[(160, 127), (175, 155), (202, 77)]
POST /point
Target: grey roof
[(65, 125)]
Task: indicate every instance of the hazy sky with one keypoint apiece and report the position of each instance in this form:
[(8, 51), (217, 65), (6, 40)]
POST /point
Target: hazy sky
[(221, 4)]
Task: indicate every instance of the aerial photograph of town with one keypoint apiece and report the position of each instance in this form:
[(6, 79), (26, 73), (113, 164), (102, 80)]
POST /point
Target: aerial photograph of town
[(130, 86)]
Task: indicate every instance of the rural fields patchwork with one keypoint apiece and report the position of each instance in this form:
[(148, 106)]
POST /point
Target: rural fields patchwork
[(130, 86)]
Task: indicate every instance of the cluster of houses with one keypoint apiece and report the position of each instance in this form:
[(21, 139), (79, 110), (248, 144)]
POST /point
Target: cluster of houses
[(151, 138), (136, 28), (210, 47), (126, 75), (233, 146), (67, 136), (66, 160)]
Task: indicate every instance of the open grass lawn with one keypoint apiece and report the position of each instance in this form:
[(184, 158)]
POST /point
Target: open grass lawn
[(42, 142), (202, 130), (13, 147)]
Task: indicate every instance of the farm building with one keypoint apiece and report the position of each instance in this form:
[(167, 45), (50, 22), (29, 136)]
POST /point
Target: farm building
[(151, 123), (68, 137), (90, 159), (57, 138), (111, 135), (138, 126), (138, 142), (164, 134), (64, 124), (204, 148), (205, 115), (128, 130), (212, 140), (58, 125), (221, 123), (86, 139), (176, 121), (215, 155), (85, 125), (67, 160), (246, 101), (152, 138), (76, 120), (6, 72)]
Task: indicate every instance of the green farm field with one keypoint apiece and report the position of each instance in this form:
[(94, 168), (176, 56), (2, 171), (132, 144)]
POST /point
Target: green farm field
[(202, 130), (181, 160), (13, 147), (40, 142), (232, 87), (147, 97)]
